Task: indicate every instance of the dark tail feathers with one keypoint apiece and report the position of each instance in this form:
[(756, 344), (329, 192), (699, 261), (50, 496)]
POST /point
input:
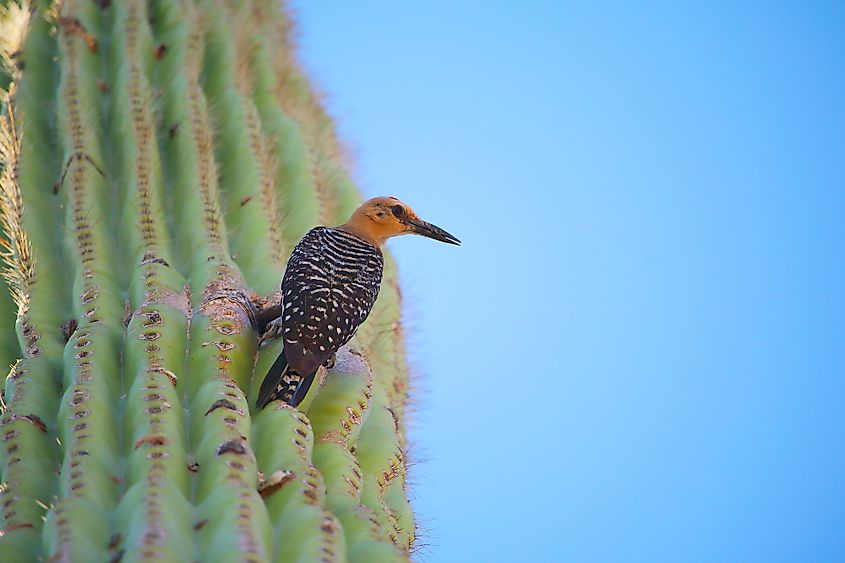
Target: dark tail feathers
[(283, 383)]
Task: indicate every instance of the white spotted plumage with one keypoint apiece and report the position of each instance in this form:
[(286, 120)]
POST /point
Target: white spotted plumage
[(329, 287)]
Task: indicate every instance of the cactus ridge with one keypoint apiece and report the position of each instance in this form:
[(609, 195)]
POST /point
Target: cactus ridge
[(146, 219)]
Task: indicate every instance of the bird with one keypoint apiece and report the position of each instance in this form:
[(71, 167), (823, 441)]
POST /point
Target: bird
[(329, 287)]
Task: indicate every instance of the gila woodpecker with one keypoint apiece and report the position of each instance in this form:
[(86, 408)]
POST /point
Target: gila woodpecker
[(329, 287)]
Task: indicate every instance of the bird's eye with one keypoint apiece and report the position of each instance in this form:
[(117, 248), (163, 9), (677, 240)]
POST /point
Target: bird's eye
[(398, 210)]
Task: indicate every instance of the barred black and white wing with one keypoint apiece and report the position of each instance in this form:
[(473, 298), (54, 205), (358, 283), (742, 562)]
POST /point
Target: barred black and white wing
[(329, 287)]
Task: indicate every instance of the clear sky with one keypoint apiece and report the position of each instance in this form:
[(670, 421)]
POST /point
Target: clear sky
[(638, 354)]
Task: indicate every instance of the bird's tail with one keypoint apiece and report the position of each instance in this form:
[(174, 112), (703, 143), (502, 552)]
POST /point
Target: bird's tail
[(282, 383)]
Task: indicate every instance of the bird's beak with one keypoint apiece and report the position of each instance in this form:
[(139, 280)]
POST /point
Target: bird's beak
[(425, 229)]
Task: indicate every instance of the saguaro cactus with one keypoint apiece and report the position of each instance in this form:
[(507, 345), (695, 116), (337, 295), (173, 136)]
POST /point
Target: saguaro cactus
[(159, 159)]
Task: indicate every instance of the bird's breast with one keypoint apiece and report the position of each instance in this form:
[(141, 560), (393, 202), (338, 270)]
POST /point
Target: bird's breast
[(329, 288)]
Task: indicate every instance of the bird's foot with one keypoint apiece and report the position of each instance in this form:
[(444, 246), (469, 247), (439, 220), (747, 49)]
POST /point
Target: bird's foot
[(273, 330), (329, 363)]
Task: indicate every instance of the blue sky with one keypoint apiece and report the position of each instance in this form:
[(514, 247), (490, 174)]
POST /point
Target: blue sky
[(638, 354)]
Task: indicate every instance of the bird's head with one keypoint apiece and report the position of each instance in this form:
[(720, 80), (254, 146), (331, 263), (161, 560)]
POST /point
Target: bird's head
[(381, 218)]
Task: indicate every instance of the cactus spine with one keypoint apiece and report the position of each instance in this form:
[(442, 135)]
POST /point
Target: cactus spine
[(159, 159)]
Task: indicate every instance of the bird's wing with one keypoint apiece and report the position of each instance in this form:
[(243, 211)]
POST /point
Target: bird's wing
[(330, 285)]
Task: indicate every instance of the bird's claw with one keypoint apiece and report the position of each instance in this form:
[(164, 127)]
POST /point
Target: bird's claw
[(273, 330), (329, 363)]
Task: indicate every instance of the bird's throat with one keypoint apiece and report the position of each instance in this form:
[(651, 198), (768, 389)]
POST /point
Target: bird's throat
[(368, 233)]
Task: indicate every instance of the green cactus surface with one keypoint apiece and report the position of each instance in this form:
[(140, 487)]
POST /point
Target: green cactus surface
[(159, 161)]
